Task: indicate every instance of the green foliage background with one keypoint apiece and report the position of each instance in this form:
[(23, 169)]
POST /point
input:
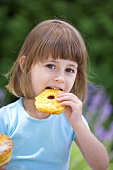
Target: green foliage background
[(93, 18)]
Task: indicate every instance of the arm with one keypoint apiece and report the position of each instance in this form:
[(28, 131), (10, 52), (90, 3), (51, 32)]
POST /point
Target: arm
[(92, 149)]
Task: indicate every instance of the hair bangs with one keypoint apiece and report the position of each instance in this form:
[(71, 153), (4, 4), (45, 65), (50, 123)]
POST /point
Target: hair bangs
[(58, 43)]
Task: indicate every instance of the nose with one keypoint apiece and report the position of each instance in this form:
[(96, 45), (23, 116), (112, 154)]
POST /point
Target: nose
[(60, 79)]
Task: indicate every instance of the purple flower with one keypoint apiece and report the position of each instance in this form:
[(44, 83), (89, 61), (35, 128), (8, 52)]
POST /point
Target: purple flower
[(100, 132), (107, 110), (97, 109)]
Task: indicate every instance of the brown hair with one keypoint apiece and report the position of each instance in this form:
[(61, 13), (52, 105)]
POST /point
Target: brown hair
[(51, 37)]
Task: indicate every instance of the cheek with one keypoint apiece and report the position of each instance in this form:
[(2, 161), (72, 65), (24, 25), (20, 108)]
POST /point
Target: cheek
[(71, 82), (73, 78)]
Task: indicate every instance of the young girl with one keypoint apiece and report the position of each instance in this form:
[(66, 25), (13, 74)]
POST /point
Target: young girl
[(52, 56)]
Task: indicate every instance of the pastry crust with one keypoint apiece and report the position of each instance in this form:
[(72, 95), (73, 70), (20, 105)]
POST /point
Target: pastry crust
[(6, 146), (46, 102)]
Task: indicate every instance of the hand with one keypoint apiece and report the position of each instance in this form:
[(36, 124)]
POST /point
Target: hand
[(2, 168), (73, 110)]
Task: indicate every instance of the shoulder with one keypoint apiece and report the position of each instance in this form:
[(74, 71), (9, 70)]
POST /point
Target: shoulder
[(12, 105), (9, 110), (9, 116)]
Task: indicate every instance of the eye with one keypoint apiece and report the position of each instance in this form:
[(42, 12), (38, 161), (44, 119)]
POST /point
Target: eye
[(51, 66), (70, 70)]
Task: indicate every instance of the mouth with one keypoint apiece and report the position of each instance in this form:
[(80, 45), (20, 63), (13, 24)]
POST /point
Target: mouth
[(54, 88)]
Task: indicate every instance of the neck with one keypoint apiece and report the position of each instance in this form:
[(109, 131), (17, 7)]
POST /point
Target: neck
[(29, 106)]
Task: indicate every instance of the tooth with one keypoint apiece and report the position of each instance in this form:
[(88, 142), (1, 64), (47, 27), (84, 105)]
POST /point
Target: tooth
[(54, 88)]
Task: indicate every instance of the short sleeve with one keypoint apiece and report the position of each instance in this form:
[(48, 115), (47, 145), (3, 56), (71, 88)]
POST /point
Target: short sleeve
[(85, 122), (4, 121)]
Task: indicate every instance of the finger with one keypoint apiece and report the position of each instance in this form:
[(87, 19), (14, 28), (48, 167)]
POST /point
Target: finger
[(2, 168), (70, 103), (65, 94), (76, 107), (70, 95), (73, 99)]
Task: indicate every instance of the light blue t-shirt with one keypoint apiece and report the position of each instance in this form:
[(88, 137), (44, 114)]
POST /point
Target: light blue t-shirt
[(38, 144)]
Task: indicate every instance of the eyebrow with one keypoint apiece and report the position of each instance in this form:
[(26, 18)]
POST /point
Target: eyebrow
[(74, 65)]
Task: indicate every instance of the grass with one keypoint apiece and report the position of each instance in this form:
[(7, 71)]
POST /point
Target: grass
[(77, 161)]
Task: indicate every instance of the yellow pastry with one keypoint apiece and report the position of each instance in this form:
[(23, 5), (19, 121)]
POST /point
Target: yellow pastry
[(6, 146), (46, 102)]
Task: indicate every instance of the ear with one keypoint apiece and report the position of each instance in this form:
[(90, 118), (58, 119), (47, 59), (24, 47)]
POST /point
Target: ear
[(21, 62)]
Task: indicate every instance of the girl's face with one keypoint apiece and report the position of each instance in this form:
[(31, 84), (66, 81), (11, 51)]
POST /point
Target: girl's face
[(58, 74)]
